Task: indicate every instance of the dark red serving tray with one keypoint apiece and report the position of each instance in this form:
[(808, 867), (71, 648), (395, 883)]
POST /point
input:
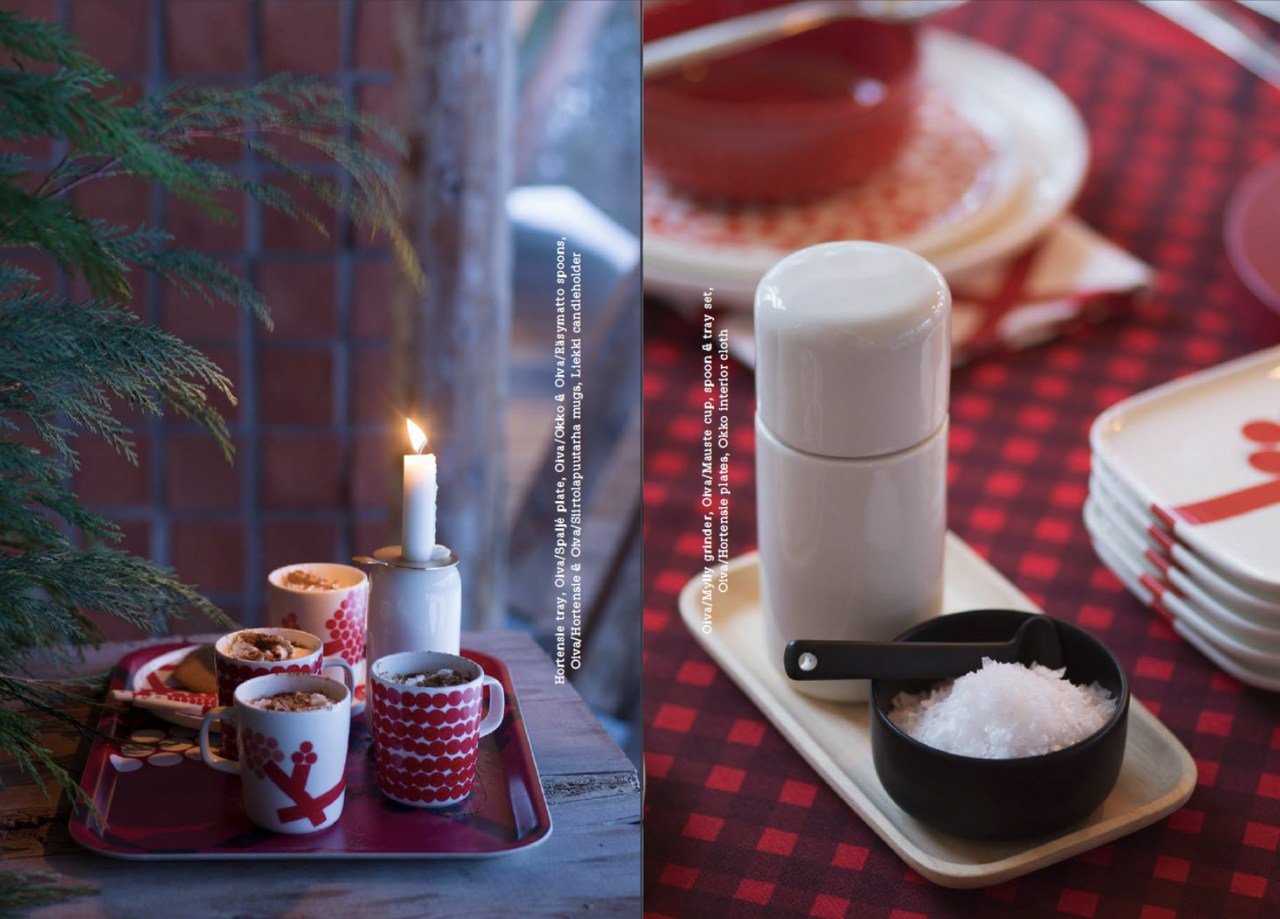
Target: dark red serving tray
[(164, 809)]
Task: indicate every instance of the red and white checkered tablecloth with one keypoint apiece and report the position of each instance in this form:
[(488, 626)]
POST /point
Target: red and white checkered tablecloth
[(736, 823)]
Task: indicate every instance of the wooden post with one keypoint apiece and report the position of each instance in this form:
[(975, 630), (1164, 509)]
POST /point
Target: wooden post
[(450, 346)]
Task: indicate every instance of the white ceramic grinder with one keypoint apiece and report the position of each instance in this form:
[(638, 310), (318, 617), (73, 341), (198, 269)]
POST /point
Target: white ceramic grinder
[(853, 365)]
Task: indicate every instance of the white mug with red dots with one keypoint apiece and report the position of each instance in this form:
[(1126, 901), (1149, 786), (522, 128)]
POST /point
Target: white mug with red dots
[(293, 764), (328, 600), (426, 739)]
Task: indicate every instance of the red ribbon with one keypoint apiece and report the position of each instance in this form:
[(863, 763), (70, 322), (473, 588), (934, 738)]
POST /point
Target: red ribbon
[(1244, 500)]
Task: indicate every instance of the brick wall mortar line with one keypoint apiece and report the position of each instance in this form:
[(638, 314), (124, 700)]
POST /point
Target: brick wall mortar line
[(251, 472), (157, 39), (135, 512), (344, 270), (282, 427), (61, 281)]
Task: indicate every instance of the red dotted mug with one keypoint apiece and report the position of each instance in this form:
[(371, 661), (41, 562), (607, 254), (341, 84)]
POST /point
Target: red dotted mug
[(426, 739)]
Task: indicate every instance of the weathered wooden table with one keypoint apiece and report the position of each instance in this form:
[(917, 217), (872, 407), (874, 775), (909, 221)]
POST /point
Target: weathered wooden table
[(591, 863)]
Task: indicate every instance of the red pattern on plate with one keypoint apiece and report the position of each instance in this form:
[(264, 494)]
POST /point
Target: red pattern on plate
[(158, 679), (944, 174), (206, 700)]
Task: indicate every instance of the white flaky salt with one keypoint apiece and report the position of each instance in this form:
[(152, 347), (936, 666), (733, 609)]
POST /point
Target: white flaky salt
[(1004, 711)]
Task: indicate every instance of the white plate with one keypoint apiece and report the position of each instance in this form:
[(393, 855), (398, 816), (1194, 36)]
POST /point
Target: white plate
[(1191, 572), (1184, 443), (1251, 645), (1156, 778), (161, 668), (1262, 678), (1046, 140), (1122, 533), (1216, 582), (1196, 635)]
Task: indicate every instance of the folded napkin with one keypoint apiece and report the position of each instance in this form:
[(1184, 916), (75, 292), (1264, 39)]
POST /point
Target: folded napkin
[(1071, 277)]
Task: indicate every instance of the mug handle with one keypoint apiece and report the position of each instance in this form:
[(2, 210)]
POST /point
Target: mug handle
[(221, 763), (349, 675), (497, 707)]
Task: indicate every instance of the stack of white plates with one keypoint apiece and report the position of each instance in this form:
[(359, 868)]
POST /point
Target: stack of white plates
[(1184, 507)]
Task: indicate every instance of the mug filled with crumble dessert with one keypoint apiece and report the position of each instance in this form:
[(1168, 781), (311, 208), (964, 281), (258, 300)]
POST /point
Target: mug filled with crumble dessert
[(293, 730), (249, 653), (328, 600), (428, 717)]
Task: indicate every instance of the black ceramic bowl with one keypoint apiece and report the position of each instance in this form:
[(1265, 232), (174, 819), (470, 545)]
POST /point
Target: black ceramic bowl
[(1000, 798)]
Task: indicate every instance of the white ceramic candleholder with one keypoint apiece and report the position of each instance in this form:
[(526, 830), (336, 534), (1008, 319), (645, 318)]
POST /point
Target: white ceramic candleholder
[(413, 606)]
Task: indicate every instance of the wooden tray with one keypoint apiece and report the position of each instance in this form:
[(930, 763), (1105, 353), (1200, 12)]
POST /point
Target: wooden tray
[(160, 801), (1157, 777)]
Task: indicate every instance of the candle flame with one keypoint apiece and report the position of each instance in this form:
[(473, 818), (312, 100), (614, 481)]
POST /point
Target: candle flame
[(417, 437)]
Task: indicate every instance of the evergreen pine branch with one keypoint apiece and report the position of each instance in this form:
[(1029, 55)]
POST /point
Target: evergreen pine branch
[(45, 42), (198, 274), (374, 203), (57, 700), (48, 593), (301, 109), (102, 130), (20, 733), (63, 103), (187, 271), (55, 227), (13, 164), (34, 496), (147, 140), (60, 362), (279, 103), (20, 737), (12, 275), (270, 196)]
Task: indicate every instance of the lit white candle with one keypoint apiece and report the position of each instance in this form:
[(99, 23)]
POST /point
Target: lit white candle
[(418, 542)]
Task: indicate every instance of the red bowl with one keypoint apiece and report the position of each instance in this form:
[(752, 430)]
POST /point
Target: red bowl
[(796, 118)]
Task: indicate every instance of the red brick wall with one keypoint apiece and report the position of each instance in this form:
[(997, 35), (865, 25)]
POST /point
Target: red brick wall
[(310, 428)]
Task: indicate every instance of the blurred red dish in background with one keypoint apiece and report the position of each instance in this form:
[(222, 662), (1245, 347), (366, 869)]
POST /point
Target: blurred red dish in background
[(1253, 233), (796, 118)]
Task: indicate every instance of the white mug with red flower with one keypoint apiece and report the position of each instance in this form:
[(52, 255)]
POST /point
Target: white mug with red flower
[(231, 671), (336, 613), (293, 764)]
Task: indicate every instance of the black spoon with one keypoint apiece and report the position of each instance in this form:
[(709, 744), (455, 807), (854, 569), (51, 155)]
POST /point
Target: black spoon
[(1035, 642)]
